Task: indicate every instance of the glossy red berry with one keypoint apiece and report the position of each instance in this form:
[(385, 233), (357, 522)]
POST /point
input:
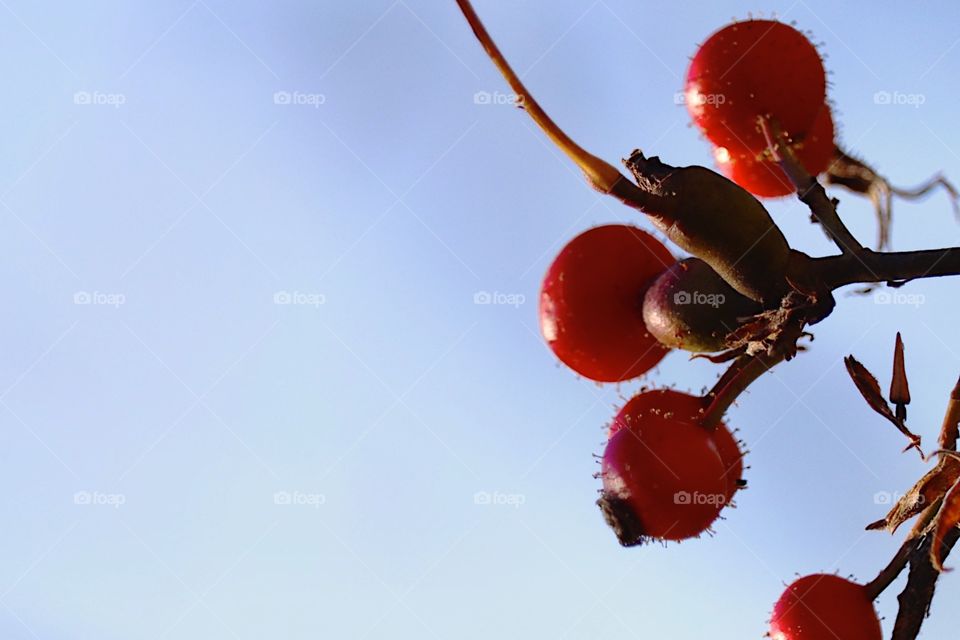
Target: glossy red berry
[(750, 69), (591, 302), (732, 457), (672, 405), (824, 607), (663, 476), (761, 176)]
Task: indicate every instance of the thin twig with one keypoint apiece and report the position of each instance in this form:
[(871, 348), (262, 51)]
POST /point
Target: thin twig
[(857, 176), (734, 381), (809, 190), (927, 187)]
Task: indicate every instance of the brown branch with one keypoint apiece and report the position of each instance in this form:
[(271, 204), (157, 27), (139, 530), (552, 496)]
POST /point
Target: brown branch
[(898, 266), (810, 192), (856, 264), (916, 597), (917, 550), (890, 572)]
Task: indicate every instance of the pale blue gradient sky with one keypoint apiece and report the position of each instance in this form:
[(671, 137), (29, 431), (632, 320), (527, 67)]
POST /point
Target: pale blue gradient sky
[(394, 401)]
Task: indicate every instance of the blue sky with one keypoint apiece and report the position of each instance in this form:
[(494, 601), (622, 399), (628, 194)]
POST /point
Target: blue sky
[(246, 391)]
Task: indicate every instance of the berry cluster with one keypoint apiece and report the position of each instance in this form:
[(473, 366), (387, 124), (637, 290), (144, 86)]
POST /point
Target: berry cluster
[(611, 306), (615, 301)]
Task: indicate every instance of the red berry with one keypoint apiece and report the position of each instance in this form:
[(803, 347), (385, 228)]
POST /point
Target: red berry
[(732, 457), (824, 607), (761, 176), (663, 476), (668, 404), (750, 69), (591, 302)]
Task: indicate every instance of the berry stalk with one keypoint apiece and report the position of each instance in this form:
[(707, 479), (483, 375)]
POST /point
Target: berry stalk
[(809, 190), (601, 175), (741, 374)]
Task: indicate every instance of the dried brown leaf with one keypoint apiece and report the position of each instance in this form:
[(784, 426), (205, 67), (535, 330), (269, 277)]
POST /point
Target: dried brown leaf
[(927, 491), (951, 419), (870, 390), (947, 518)]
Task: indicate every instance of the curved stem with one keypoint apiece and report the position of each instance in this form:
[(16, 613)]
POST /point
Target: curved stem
[(734, 381), (950, 453), (928, 186), (601, 175)]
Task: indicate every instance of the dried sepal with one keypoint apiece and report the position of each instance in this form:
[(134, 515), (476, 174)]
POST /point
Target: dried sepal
[(899, 388), (870, 390), (778, 330), (924, 524), (869, 387), (951, 420), (927, 491), (947, 518), (720, 358)]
